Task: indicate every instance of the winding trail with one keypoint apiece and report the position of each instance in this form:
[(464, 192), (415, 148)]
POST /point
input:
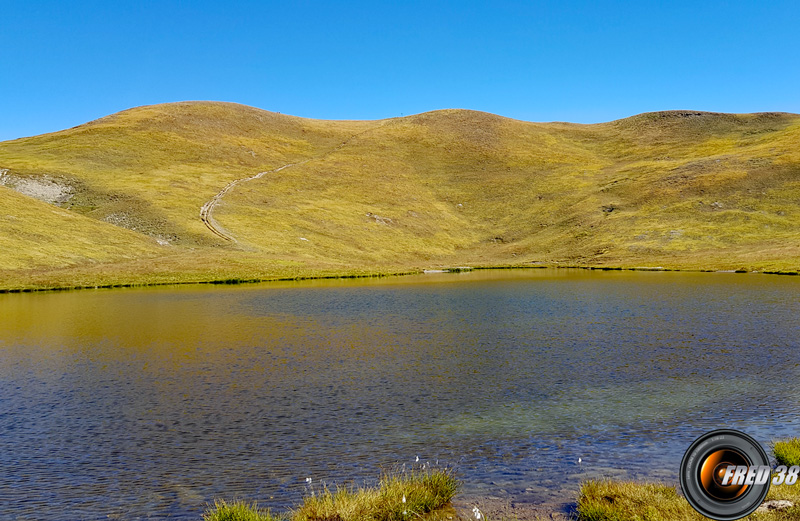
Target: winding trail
[(207, 210)]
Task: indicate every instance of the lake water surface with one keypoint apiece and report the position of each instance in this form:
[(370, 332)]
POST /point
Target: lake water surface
[(148, 404)]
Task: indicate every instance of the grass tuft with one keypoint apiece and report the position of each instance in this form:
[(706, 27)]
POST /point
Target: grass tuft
[(237, 511), (787, 452), (627, 501), (398, 497), (631, 501)]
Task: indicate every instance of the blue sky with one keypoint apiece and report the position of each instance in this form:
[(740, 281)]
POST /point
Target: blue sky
[(65, 63)]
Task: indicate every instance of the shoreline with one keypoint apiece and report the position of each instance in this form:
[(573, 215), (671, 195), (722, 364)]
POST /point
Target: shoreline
[(378, 274), (493, 508)]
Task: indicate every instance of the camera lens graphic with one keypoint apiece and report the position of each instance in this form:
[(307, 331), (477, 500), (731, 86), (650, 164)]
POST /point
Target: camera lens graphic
[(713, 470), (704, 466)]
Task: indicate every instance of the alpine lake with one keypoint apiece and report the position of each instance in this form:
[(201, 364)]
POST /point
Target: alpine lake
[(150, 403)]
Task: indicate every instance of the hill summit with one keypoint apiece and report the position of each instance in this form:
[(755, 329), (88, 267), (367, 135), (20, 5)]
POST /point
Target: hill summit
[(200, 191)]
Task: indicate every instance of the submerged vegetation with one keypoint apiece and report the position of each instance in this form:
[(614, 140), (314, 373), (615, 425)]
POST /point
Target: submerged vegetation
[(118, 201), (398, 497)]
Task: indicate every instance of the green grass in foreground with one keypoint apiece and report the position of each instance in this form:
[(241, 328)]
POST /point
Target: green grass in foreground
[(237, 511), (787, 452), (398, 497), (629, 501), (622, 501), (606, 500)]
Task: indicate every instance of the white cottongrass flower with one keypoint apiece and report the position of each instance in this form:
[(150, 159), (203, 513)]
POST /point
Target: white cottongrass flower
[(416, 460), (308, 480), (476, 511), (404, 498)]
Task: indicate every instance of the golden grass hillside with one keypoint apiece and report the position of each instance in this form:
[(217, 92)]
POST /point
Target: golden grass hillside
[(118, 200)]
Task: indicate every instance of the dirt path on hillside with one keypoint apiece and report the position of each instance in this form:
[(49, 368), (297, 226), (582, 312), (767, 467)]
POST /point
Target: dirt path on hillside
[(207, 210)]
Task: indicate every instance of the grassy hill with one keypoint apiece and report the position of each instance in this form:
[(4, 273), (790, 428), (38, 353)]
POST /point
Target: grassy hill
[(118, 200)]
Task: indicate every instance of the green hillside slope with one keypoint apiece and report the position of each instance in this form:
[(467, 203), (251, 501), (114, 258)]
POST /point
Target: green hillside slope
[(119, 200)]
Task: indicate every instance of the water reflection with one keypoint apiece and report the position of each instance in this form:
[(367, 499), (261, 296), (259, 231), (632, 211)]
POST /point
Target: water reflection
[(142, 403)]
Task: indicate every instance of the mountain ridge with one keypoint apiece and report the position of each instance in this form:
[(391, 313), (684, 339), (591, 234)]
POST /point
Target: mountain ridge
[(681, 189)]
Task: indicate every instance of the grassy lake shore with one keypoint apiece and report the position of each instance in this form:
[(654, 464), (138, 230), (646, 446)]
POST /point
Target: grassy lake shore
[(50, 282), (431, 495)]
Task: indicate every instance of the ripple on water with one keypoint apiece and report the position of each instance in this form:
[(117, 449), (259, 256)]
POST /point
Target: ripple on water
[(150, 403)]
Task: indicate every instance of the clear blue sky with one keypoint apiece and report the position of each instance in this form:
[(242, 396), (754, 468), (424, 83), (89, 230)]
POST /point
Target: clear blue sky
[(65, 63)]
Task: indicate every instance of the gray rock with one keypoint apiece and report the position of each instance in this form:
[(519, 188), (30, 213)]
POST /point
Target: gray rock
[(777, 504)]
